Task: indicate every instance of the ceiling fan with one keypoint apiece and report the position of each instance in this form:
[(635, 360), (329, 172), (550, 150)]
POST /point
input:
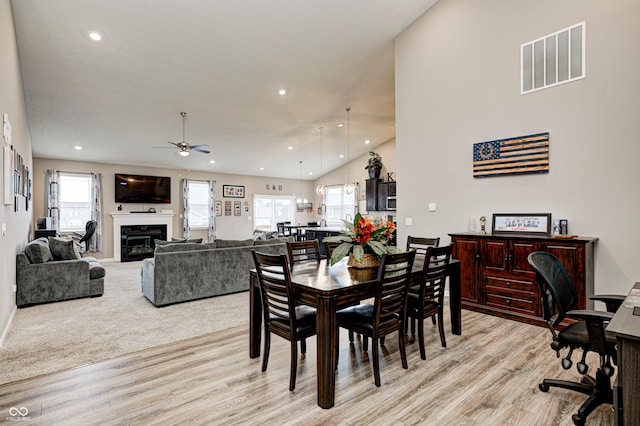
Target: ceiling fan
[(184, 148)]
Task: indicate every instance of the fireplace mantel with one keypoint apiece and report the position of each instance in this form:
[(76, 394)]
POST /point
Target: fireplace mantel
[(127, 219)]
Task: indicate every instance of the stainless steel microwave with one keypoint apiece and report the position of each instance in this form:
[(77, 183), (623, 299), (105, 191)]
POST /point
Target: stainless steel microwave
[(391, 203)]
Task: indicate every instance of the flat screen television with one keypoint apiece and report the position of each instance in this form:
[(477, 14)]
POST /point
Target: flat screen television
[(142, 189)]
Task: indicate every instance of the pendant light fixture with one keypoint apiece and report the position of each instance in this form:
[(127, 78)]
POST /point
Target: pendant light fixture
[(321, 189), (349, 187), (300, 198)]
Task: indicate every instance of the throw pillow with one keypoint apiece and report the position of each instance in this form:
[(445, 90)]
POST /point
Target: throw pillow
[(38, 251), (63, 249), (259, 235)]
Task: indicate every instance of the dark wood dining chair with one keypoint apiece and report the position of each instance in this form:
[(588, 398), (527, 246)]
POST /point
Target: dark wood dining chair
[(329, 247), (421, 244), (426, 299), (300, 251), (387, 314), (282, 315)]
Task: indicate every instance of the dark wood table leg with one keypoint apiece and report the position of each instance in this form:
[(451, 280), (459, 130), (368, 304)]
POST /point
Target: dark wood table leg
[(255, 316), (455, 298), (327, 329)]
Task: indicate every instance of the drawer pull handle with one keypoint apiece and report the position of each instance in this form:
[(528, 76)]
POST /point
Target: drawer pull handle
[(508, 302), (508, 284)]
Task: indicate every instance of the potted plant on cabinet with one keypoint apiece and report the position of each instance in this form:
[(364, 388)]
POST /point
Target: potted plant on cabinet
[(374, 165)]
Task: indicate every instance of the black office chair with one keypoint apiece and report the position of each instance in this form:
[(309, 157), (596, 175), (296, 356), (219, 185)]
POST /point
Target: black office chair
[(282, 314), (90, 229), (559, 297)]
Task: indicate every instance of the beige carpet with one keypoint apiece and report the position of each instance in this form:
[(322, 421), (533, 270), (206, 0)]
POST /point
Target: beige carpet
[(72, 333)]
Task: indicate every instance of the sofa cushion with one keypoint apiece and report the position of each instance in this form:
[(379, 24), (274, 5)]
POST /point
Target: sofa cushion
[(174, 247), (234, 243), (38, 251), (186, 240), (281, 240), (63, 249)]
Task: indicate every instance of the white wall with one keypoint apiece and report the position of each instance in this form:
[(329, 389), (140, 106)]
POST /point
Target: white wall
[(457, 83), (228, 227), (17, 223)]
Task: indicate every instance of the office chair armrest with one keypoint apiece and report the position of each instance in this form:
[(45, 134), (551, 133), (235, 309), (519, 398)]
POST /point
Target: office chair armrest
[(591, 316), (612, 301)]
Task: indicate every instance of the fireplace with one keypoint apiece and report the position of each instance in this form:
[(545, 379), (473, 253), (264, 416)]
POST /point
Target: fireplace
[(137, 241), (144, 220)]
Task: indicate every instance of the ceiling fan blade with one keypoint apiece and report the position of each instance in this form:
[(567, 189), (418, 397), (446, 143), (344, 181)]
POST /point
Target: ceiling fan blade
[(199, 146), (201, 150)]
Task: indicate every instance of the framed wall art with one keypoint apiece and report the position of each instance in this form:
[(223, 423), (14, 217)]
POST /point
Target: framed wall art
[(227, 208), (218, 208), (522, 223), (237, 208), (233, 191)]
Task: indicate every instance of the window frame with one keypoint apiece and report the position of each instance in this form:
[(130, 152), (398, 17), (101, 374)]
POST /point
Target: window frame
[(191, 204), (274, 198), (62, 177), (345, 209)]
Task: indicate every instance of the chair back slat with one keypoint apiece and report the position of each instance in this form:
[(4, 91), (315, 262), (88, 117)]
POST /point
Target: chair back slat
[(421, 244), (300, 251)]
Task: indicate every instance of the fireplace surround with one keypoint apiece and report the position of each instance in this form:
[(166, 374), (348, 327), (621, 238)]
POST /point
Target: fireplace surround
[(147, 220)]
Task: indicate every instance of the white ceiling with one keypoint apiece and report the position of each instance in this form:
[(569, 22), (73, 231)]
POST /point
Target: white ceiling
[(221, 61)]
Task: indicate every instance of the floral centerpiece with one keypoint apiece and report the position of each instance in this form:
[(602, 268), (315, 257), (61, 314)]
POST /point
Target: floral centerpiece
[(365, 241)]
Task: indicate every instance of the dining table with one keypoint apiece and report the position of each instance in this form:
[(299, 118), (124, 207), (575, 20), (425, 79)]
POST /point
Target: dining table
[(329, 289)]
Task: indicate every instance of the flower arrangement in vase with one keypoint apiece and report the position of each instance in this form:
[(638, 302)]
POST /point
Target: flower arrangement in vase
[(365, 241)]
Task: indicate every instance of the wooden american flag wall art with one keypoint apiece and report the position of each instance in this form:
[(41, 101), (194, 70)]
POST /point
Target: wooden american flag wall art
[(513, 156)]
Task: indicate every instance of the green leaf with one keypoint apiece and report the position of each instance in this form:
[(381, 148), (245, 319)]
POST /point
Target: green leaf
[(339, 252), (358, 252), (378, 248), (338, 239)]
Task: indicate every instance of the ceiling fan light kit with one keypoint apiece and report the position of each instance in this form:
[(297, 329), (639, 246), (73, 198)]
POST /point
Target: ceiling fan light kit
[(184, 148)]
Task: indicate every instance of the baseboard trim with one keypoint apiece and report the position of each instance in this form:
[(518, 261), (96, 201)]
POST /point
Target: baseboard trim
[(5, 332)]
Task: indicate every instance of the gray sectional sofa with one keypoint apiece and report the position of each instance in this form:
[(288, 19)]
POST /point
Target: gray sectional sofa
[(180, 272), (51, 270)]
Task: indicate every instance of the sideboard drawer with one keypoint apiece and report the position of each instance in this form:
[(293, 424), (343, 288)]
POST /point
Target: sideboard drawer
[(525, 306), (507, 283)]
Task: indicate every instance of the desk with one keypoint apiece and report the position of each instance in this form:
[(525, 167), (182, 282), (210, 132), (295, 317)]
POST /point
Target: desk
[(626, 327), (329, 289)]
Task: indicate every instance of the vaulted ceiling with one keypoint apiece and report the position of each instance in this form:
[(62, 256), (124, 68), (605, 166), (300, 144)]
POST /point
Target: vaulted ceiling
[(221, 61)]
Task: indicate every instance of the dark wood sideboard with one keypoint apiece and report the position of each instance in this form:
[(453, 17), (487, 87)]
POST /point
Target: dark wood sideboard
[(496, 278)]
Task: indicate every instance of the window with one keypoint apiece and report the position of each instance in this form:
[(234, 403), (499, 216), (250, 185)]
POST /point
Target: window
[(198, 204), (339, 205), (75, 201), (269, 210)]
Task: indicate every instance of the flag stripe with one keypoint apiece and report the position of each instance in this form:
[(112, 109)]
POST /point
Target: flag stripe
[(519, 155)]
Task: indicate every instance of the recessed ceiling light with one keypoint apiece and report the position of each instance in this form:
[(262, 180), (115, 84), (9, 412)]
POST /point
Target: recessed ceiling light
[(95, 36), (77, 148), (340, 125), (261, 168), (212, 161), (367, 142), (289, 147), (282, 92), (341, 155), (310, 173)]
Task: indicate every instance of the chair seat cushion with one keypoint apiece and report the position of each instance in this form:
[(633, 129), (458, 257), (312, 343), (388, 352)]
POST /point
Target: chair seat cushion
[(360, 318), (413, 305), (305, 316), (576, 335)]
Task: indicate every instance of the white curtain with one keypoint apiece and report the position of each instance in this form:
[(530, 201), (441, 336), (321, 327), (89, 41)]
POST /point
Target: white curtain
[(212, 211), (185, 208), (52, 177), (95, 244)]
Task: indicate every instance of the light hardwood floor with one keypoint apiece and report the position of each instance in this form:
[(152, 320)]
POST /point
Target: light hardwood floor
[(487, 376)]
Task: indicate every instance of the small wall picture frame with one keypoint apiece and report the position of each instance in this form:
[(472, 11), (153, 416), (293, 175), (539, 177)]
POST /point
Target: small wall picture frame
[(218, 208), (227, 208), (521, 223), (237, 208), (233, 191)]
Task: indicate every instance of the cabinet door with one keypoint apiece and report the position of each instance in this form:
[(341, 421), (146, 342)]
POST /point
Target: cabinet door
[(520, 250), (392, 188), (382, 195), (372, 195), (495, 257), (467, 251)]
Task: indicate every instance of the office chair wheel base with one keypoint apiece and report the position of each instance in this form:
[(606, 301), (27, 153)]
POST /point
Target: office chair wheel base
[(578, 419), (543, 387)]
